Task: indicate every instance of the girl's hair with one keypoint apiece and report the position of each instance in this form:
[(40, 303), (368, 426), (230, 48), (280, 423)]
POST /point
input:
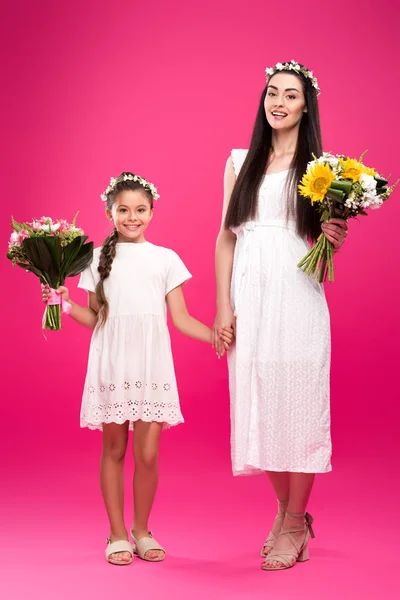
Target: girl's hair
[(109, 247), (243, 203)]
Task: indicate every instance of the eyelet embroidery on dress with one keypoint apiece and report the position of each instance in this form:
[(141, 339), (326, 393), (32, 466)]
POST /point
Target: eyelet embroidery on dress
[(126, 407), (166, 387)]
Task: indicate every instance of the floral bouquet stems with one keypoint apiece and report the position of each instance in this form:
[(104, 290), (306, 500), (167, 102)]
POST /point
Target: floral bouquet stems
[(340, 187), (53, 251)]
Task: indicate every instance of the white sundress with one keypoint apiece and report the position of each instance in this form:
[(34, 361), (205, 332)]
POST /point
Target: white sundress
[(280, 366), (130, 372)]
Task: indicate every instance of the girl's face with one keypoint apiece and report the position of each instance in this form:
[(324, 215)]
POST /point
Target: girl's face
[(284, 103), (131, 214)]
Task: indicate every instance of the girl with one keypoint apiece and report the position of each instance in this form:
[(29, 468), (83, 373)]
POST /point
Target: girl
[(130, 381), (279, 370)]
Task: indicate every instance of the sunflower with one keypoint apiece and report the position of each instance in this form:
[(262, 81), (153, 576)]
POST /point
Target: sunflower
[(316, 181), (352, 169), (369, 171)]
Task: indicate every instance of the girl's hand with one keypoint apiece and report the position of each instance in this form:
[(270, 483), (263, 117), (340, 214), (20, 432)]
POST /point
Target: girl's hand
[(226, 334), (61, 290), (335, 231), (225, 319)]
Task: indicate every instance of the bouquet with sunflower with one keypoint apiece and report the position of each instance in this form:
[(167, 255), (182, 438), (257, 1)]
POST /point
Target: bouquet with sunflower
[(52, 250), (340, 187)]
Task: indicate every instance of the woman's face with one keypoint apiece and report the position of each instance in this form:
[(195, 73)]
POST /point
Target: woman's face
[(284, 103)]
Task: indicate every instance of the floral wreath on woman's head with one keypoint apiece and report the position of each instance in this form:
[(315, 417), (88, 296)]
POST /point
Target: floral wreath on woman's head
[(297, 68), (149, 187)]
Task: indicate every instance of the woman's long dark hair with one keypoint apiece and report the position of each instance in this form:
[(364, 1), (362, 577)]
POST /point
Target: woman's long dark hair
[(243, 203)]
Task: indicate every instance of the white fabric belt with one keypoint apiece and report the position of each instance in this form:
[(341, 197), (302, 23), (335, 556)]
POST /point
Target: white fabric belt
[(252, 225)]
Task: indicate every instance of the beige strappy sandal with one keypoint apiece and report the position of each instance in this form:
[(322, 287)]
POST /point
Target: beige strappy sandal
[(118, 546), (299, 552), (271, 539), (146, 544)]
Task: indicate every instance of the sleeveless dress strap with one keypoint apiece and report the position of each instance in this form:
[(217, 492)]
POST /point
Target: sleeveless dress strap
[(238, 157)]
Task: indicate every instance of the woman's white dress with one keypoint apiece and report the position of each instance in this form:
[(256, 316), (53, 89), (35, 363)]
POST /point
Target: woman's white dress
[(279, 368), (130, 372)]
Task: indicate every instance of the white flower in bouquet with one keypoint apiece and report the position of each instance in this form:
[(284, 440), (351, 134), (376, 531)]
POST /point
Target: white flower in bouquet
[(50, 227), (371, 200), (352, 202), (368, 183)]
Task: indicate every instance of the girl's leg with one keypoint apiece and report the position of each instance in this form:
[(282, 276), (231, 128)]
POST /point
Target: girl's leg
[(115, 440), (300, 490), (146, 444)]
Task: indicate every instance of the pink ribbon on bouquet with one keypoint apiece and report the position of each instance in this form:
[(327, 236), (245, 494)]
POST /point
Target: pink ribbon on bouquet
[(55, 299)]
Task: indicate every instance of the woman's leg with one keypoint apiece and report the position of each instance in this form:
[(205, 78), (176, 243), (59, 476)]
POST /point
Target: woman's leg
[(301, 485), (115, 440), (281, 485), (146, 445), (300, 490)]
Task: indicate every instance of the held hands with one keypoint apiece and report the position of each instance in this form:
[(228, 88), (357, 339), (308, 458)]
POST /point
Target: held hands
[(225, 338), (63, 291), (224, 330), (335, 231)]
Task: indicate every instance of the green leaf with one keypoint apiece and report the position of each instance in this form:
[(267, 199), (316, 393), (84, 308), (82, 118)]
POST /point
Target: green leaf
[(70, 252), (343, 186), (45, 255), (335, 195), (82, 260), (34, 270), (380, 182)]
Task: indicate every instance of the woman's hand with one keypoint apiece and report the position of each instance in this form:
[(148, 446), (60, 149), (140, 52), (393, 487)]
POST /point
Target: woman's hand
[(335, 231), (63, 291), (225, 321)]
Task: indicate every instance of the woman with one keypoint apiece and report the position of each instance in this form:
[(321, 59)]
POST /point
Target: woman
[(279, 369)]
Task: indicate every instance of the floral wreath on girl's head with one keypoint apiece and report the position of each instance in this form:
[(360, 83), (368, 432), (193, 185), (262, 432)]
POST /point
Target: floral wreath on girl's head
[(128, 177), (297, 68)]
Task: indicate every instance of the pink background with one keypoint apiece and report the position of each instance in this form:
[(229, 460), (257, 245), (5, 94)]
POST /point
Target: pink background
[(166, 89)]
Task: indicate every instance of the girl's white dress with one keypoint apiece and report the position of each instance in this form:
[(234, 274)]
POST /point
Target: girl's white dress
[(131, 373), (279, 368)]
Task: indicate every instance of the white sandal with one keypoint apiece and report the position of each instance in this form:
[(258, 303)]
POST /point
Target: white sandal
[(299, 549), (119, 546), (146, 544), (272, 537)]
